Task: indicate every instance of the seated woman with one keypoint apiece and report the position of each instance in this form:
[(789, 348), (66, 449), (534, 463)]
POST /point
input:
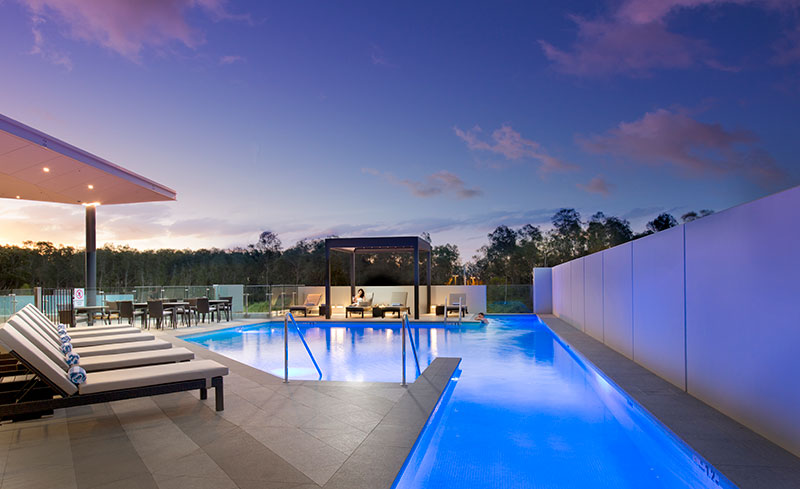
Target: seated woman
[(359, 298)]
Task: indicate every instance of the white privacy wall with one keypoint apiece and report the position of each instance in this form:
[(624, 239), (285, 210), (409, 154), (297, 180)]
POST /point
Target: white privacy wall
[(713, 306), (618, 299), (743, 314)]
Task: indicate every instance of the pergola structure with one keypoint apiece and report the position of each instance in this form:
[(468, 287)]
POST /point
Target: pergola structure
[(39, 167), (390, 244)]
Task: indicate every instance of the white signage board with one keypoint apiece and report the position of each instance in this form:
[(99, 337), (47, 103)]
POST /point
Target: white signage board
[(78, 298)]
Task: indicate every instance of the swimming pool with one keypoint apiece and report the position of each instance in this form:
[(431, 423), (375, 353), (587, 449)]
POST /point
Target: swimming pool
[(525, 411)]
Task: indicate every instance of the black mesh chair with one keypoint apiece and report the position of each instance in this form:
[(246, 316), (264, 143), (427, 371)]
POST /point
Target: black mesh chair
[(203, 309), (155, 310), (226, 307), (127, 311)]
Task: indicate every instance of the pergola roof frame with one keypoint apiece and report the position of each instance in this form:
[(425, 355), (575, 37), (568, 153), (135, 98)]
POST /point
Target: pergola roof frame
[(384, 244)]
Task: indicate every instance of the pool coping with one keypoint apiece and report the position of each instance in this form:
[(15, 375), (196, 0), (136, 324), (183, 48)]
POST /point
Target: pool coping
[(746, 458), (381, 456)]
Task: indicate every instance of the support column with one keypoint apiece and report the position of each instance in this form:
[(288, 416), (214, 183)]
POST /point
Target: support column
[(416, 282), (328, 305), (430, 259), (91, 256), (353, 274)]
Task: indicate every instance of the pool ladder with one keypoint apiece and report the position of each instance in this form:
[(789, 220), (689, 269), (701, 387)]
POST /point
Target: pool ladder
[(286, 347), (407, 326), (460, 313)]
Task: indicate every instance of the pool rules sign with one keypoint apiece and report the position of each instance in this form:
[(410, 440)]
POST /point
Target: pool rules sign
[(78, 298)]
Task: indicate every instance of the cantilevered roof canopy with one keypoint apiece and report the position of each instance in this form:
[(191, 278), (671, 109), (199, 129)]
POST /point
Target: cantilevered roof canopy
[(35, 166)]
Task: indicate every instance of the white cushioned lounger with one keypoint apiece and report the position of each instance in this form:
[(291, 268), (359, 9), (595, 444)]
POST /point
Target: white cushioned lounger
[(97, 340), (36, 315), (112, 348), (111, 385), (114, 338), (98, 362), (90, 340), (87, 351)]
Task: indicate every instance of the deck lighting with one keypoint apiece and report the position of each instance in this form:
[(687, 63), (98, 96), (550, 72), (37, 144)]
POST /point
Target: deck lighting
[(17, 196)]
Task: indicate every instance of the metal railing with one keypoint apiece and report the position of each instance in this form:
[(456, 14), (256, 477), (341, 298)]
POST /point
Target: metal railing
[(286, 347), (460, 312), (407, 326)]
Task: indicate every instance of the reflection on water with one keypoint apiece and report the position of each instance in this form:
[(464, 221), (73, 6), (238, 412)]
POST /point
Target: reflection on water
[(524, 412)]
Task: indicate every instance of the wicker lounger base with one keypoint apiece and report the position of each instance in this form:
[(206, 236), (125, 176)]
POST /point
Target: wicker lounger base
[(37, 406)]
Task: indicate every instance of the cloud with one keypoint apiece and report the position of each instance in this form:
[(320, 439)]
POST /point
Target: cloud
[(634, 40), (509, 143), (231, 59), (378, 58), (127, 27), (606, 47), (597, 185), (698, 148), (42, 48), (440, 183)]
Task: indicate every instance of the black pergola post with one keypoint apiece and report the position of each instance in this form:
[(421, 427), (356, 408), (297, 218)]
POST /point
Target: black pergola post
[(416, 281), (353, 274), (328, 305), (430, 259)]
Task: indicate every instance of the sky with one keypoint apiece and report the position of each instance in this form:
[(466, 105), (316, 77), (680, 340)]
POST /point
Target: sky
[(396, 118)]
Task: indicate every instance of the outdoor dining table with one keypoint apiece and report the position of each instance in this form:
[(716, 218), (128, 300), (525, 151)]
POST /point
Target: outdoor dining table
[(90, 312), (174, 307), (217, 302)]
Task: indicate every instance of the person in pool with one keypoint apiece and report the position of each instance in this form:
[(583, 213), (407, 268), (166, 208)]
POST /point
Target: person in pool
[(360, 297), (482, 318)]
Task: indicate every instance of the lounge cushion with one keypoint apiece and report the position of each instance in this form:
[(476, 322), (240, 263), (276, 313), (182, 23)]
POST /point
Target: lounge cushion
[(90, 332), (113, 348), (114, 338), (13, 340), (135, 359), (130, 378)]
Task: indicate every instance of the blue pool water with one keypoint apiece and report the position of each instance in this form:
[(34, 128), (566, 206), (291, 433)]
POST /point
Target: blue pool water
[(524, 410)]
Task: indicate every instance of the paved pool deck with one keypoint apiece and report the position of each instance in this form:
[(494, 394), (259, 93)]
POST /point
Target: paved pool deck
[(271, 435), (308, 434), (746, 458)]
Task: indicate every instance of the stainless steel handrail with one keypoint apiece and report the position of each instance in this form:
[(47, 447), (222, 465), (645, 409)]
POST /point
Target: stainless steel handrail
[(460, 313), (286, 347), (406, 324)]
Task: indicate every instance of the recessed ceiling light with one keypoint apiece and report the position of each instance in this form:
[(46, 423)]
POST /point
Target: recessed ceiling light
[(91, 187), (46, 170)]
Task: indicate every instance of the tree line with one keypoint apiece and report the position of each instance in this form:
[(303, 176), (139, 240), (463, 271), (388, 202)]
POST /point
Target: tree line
[(508, 257)]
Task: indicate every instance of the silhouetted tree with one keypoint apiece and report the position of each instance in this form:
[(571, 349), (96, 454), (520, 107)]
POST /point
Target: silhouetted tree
[(693, 216), (661, 222)]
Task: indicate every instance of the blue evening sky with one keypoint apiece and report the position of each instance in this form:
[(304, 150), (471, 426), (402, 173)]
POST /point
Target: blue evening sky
[(373, 118)]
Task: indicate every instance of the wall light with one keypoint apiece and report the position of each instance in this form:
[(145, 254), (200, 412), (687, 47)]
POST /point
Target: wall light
[(18, 196), (46, 170), (91, 187)]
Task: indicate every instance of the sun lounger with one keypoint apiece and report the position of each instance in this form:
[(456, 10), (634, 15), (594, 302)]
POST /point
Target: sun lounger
[(311, 303), (112, 385), (32, 312), (361, 307), (97, 362), (107, 348), (94, 340), (456, 302), (397, 304)]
